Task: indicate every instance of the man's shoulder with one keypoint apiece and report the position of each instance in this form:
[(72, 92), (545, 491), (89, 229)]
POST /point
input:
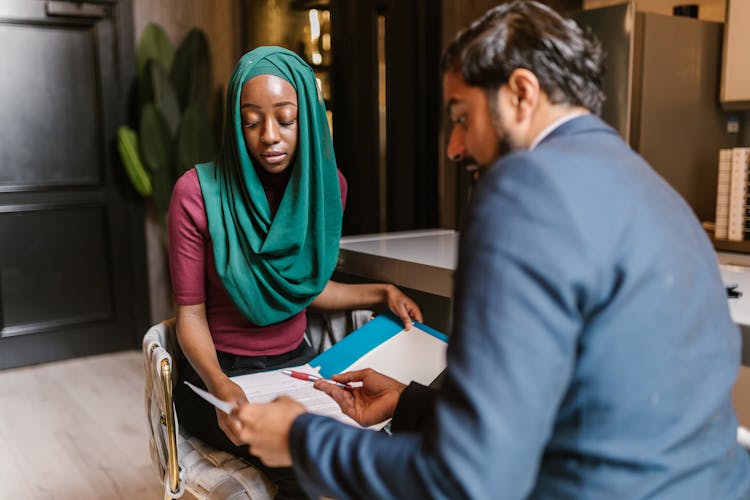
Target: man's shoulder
[(582, 146), (583, 134)]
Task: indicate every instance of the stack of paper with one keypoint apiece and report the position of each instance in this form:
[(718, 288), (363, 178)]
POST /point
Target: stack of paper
[(738, 194), (722, 194)]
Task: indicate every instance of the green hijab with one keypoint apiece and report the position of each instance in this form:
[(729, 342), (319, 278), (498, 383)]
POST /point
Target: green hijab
[(274, 266)]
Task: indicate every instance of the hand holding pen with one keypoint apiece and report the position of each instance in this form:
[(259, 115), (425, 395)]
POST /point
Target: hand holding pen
[(309, 377), (372, 402)]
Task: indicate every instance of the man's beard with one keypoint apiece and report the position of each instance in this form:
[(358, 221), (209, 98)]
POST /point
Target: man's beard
[(504, 147)]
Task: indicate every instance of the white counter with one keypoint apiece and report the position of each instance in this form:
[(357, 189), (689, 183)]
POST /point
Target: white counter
[(740, 306), (425, 260), (735, 269)]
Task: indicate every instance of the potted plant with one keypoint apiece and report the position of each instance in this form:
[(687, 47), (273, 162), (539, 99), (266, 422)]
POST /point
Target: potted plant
[(174, 130)]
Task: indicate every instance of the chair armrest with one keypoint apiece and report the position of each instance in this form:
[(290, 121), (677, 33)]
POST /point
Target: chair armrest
[(173, 466)]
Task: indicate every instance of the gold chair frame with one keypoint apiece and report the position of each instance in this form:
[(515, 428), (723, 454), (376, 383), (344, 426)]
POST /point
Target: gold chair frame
[(168, 420), (182, 461)]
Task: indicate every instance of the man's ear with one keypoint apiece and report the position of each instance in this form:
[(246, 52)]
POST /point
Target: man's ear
[(525, 91)]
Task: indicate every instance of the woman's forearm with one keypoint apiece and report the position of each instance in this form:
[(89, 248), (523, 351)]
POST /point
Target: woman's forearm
[(342, 296), (197, 345)]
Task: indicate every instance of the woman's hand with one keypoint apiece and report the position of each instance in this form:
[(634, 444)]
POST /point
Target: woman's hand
[(229, 391), (402, 306), (344, 296), (369, 404)]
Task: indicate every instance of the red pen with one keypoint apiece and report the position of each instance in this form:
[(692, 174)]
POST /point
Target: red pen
[(309, 377)]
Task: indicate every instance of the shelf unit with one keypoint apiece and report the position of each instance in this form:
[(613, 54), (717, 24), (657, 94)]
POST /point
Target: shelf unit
[(735, 75), (315, 47), (731, 246)]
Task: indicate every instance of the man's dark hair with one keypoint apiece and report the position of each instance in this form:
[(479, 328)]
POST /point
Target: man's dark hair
[(568, 63)]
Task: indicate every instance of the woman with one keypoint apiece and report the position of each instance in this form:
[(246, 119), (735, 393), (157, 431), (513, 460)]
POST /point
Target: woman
[(254, 241)]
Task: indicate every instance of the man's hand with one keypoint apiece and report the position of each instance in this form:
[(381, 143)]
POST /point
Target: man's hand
[(229, 391), (402, 306), (265, 427), (369, 404)]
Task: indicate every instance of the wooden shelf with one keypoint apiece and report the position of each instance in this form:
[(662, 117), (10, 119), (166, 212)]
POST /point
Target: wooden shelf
[(731, 246), (311, 4)]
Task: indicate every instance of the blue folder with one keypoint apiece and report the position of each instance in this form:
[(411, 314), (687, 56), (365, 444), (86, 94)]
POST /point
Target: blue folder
[(361, 341)]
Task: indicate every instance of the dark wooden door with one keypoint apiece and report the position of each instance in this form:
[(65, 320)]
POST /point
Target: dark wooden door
[(72, 263), (386, 90)]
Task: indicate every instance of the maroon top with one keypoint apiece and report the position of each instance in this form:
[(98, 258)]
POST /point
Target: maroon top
[(194, 277)]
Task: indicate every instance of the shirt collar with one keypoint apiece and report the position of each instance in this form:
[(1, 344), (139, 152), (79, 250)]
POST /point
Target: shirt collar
[(552, 126)]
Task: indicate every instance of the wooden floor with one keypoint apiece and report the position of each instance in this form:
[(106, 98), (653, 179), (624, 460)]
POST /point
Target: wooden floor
[(76, 429)]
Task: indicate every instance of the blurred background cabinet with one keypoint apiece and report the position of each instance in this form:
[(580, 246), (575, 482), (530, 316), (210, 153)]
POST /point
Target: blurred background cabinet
[(735, 78), (662, 88), (314, 45)]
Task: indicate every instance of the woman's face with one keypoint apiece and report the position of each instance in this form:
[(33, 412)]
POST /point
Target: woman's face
[(268, 110)]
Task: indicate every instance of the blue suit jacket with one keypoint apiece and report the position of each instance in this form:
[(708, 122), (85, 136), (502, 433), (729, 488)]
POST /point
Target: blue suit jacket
[(592, 354)]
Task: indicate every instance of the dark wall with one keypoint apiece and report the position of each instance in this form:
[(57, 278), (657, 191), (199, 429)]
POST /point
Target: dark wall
[(405, 196)]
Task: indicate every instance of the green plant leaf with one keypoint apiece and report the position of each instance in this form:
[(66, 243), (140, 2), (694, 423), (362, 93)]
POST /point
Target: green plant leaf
[(195, 142), (156, 141), (191, 71), (176, 132), (154, 44), (159, 86), (127, 145)]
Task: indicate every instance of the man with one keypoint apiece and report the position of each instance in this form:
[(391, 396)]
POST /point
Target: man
[(592, 354)]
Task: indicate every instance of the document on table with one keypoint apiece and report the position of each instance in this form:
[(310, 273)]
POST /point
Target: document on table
[(264, 387)]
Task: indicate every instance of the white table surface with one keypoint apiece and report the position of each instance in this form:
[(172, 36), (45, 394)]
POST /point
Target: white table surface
[(425, 260), (735, 269)]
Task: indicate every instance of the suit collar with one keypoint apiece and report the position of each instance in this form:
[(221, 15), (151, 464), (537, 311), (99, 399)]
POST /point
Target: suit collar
[(579, 124), (553, 126)]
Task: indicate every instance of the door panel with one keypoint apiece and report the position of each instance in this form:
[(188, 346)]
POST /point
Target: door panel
[(38, 292), (51, 136), (72, 260)]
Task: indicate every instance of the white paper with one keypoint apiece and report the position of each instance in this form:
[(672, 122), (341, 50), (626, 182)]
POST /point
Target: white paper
[(396, 357), (224, 406), (264, 387)]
